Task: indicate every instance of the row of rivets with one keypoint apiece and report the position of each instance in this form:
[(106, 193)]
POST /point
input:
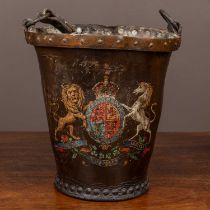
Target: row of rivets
[(97, 191), (100, 41), (105, 191)]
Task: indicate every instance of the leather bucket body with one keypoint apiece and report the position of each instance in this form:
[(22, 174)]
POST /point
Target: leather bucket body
[(103, 91)]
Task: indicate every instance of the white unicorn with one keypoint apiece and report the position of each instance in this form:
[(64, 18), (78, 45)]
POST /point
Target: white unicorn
[(137, 111)]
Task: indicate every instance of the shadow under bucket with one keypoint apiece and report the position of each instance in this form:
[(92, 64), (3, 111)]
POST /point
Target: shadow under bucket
[(103, 91)]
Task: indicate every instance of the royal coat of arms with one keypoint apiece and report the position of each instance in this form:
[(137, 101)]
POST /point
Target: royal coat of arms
[(104, 120), (105, 115)]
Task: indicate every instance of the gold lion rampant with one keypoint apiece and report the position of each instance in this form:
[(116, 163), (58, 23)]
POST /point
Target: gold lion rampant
[(73, 100)]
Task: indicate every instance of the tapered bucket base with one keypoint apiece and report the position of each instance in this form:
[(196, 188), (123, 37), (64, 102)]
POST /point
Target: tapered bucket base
[(124, 191)]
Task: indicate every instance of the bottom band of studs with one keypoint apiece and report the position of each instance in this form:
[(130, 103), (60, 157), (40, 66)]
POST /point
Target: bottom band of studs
[(123, 191)]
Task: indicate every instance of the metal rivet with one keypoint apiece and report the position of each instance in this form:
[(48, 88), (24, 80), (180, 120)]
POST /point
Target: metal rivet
[(136, 42), (50, 39), (137, 187), (123, 190), (115, 191), (165, 43), (118, 41), (151, 45), (96, 191), (38, 38), (72, 188), (120, 30), (147, 33), (159, 35), (82, 41), (80, 189), (64, 40), (79, 30), (105, 191), (88, 190), (100, 41), (134, 32), (109, 33), (130, 190)]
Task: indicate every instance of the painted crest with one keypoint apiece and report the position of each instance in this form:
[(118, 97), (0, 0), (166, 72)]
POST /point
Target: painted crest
[(105, 115), (104, 120)]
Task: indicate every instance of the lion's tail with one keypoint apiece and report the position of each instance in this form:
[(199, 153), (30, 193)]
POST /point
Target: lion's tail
[(153, 111), (54, 109)]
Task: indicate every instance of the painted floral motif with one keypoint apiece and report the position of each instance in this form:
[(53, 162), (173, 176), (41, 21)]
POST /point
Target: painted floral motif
[(104, 120)]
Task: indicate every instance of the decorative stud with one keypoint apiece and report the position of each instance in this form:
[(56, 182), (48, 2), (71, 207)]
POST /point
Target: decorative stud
[(120, 30), (100, 41), (88, 190), (38, 38), (64, 40), (137, 187), (165, 44), (130, 190), (50, 39), (118, 41), (79, 30), (108, 33), (82, 41), (134, 32), (105, 191), (135, 43), (115, 191), (123, 190), (72, 187), (96, 191), (147, 33), (151, 45), (159, 35), (79, 189), (66, 185)]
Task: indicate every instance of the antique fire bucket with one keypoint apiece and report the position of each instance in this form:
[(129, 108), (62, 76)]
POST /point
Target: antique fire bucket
[(103, 91)]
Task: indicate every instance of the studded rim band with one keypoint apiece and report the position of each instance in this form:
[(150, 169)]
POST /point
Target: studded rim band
[(124, 191), (103, 42)]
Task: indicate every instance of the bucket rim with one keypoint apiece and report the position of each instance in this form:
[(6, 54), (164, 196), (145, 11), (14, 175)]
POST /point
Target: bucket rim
[(60, 33), (169, 42)]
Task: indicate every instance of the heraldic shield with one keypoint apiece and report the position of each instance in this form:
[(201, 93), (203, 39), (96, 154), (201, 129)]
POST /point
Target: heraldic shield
[(105, 115), (103, 91)]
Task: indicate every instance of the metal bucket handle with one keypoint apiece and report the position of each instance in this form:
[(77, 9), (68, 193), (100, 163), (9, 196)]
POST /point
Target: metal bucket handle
[(173, 26), (47, 16)]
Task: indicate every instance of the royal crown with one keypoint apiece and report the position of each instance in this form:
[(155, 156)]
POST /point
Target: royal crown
[(105, 88)]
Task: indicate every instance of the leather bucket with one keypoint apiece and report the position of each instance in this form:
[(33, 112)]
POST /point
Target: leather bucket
[(103, 91)]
